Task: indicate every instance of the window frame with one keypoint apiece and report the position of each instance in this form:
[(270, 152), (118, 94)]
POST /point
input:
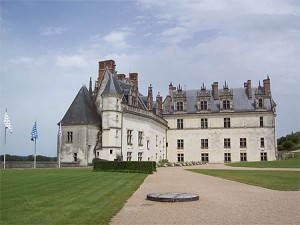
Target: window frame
[(180, 143), (227, 143), (204, 123), (243, 142), (227, 157), (227, 122), (204, 143), (180, 124), (180, 157)]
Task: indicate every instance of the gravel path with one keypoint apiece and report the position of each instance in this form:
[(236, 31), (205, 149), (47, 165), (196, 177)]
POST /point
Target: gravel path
[(221, 201)]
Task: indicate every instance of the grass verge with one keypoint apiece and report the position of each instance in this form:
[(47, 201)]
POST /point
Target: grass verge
[(64, 196), (288, 163), (275, 180)]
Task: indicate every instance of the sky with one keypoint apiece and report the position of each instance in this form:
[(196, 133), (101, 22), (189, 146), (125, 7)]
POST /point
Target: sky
[(49, 49)]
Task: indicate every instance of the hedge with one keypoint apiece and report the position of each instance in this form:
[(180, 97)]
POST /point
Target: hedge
[(125, 166)]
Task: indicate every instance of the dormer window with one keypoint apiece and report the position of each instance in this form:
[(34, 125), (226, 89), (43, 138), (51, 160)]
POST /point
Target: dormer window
[(260, 103), (203, 105), (226, 104), (179, 106)]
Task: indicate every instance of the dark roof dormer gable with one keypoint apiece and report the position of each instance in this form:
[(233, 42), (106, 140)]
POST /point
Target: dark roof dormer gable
[(203, 100), (180, 104), (226, 98)]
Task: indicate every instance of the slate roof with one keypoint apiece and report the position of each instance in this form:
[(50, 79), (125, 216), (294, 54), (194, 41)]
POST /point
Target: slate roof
[(112, 86), (241, 103), (82, 110)]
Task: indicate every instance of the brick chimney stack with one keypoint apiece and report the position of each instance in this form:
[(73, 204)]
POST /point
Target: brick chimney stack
[(134, 78), (267, 86), (247, 85), (215, 90), (159, 105), (110, 64)]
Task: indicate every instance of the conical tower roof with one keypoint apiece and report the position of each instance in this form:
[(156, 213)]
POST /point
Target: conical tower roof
[(82, 110), (112, 86)]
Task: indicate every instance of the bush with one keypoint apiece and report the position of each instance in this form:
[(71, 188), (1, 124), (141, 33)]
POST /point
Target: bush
[(288, 145), (125, 166)]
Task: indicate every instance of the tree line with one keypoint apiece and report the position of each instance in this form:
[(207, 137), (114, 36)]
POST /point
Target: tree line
[(39, 158), (289, 142)]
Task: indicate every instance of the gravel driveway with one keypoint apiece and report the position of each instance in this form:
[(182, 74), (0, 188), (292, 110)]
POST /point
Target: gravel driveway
[(221, 201)]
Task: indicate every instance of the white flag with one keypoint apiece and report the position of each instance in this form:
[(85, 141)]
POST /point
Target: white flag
[(59, 134), (7, 122)]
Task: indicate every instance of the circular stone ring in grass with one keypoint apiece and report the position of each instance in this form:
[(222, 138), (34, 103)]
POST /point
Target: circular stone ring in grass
[(172, 197)]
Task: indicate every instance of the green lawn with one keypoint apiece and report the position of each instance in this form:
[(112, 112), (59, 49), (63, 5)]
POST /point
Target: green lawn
[(289, 163), (64, 196), (275, 180)]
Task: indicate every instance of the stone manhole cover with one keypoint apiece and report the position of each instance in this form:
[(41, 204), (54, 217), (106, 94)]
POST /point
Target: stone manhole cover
[(172, 197)]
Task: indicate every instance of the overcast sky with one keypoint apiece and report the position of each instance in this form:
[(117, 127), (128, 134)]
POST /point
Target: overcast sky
[(49, 49)]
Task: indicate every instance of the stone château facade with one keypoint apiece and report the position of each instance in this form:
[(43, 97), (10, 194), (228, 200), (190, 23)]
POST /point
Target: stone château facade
[(114, 121)]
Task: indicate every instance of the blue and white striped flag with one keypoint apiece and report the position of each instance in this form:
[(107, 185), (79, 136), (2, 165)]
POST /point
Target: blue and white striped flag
[(7, 123), (34, 134)]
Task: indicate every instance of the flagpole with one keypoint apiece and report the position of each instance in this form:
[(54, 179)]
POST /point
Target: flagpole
[(4, 148), (59, 150), (34, 163)]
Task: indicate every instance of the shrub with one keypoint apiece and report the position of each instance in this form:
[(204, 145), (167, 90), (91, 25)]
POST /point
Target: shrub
[(288, 145), (125, 166)]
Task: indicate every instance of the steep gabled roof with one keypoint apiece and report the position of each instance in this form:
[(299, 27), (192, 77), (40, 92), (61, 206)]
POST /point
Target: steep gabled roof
[(112, 86), (82, 110)]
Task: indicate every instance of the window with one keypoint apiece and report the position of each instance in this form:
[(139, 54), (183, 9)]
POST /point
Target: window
[(156, 141), (262, 142), (129, 156), (117, 133), (260, 103), (261, 121), (204, 157), (110, 151), (75, 157), (263, 156), (117, 118), (243, 143), (148, 144), (204, 124), (227, 157), (204, 143), (69, 136), (180, 157), (226, 122), (129, 137), (98, 154), (140, 138), (226, 142), (226, 104), (179, 123), (243, 156), (203, 105), (180, 144), (179, 106), (140, 156)]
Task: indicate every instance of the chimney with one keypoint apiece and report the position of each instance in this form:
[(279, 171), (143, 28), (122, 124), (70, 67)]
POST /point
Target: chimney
[(150, 98), (215, 90), (158, 104), (110, 64), (121, 77), (134, 77), (267, 86), (249, 89)]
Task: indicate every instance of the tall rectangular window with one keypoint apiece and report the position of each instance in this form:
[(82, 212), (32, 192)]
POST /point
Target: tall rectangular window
[(260, 103), (227, 157), (140, 138), (204, 157), (140, 156), (179, 106), (226, 122), (263, 156), (203, 105), (129, 137), (179, 123), (204, 143), (262, 142), (226, 142), (226, 104), (243, 156), (180, 157), (69, 137), (180, 144), (129, 155), (204, 123), (261, 121), (243, 143)]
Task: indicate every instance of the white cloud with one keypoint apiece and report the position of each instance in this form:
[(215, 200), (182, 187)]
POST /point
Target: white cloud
[(117, 39), (49, 31), (71, 61), (176, 35)]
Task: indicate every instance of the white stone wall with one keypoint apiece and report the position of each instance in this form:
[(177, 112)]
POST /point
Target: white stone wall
[(243, 125), (153, 132), (84, 141)]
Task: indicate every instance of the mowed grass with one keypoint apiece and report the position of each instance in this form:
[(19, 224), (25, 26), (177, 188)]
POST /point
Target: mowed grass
[(275, 180), (288, 163), (64, 196)]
